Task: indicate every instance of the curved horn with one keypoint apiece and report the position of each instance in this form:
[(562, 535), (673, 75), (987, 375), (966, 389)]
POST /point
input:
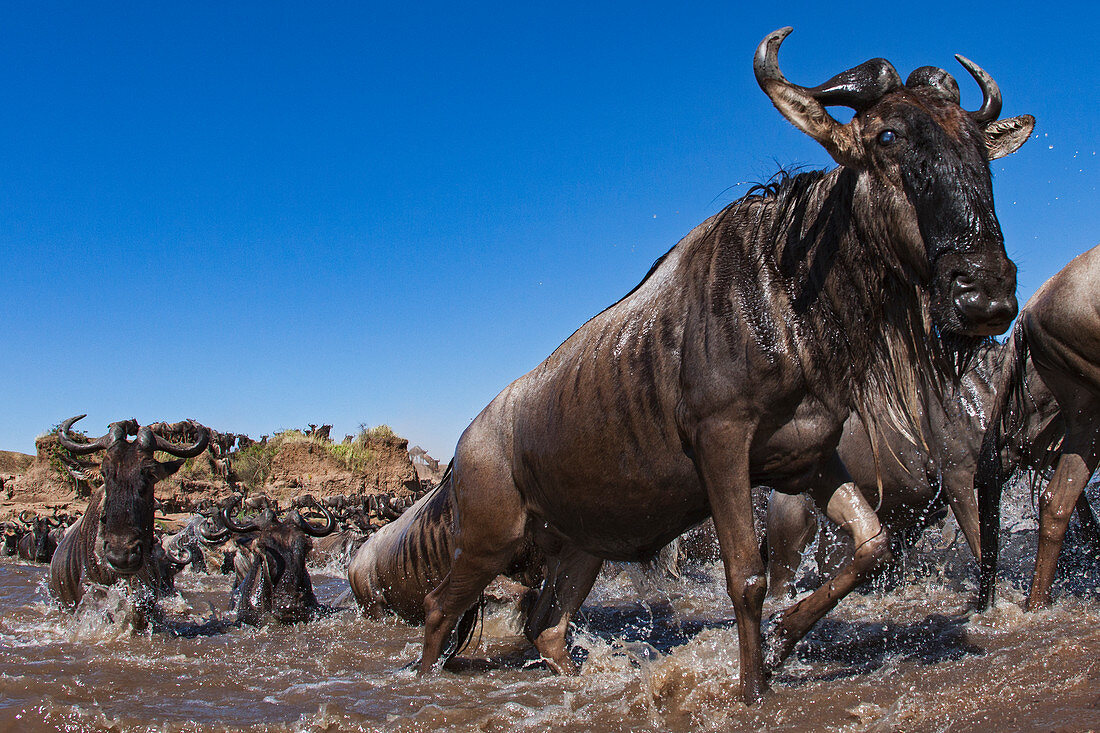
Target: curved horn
[(81, 448), (800, 105), (232, 526), (211, 533), (991, 93), (765, 64), (171, 550), (858, 87), (24, 520), (386, 508), (151, 441), (303, 524)]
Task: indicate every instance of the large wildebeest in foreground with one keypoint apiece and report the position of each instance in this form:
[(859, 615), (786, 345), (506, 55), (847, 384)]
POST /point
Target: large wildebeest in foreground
[(114, 538), (1058, 333), (737, 359)]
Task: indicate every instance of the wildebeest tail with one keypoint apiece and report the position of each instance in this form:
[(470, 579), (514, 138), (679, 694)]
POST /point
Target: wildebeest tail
[(464, 630), (992, 471)]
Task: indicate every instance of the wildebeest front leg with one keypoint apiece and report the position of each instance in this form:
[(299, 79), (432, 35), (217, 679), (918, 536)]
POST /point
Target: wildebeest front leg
[(722, 459), (848, 508), (569, 579)]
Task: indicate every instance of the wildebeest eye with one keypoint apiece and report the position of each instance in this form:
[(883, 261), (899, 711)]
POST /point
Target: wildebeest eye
[(887, 137)]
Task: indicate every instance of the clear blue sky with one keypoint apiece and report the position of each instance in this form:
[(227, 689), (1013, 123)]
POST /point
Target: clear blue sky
[(263, 215)]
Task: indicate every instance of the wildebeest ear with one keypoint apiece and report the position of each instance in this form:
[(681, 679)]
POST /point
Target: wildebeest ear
[(167, 468), (808, 115), (1004, 137)]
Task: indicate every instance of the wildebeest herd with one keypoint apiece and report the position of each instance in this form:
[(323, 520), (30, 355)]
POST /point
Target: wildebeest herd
[(828, 336)]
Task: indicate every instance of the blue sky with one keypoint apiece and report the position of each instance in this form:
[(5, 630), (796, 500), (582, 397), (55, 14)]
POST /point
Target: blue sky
[(264, 215)]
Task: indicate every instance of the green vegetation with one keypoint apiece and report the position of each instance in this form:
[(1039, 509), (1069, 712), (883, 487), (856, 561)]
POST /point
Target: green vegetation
[(53, 452), (379, 432), (252, 465), (354, 456)]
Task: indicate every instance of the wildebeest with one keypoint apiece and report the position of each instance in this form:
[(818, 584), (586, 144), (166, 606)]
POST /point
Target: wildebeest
[(402, 562), (920, 475), (406, 558), (354, 526), (114, 538), (740, 355), (270, 564), (39, 540), (11, 532), (1058, 333)]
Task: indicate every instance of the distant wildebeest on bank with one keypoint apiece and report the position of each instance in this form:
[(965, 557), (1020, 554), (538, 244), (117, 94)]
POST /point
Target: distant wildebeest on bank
[(738, 358), (114, 538), (270, 563), (1055, 340)]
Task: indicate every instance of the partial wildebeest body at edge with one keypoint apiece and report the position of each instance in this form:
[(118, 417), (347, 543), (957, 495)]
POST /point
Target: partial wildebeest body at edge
[(1055, 346), (738, 358), (920, 475), (401, 563), (113, 540)]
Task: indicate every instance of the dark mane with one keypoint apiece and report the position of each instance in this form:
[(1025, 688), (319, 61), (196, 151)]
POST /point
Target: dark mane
[(785, 184)]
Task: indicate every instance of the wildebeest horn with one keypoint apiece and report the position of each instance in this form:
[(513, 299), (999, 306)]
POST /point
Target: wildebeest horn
[(23, 519), (991, 93), (303, 524), (804, 107), (210, 532), (151, 441), (386, 508), (936, 79), (118, 431), (858, 88), (231, 525), (171, 550)]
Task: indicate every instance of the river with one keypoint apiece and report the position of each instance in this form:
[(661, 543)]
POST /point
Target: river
[(659, 654)]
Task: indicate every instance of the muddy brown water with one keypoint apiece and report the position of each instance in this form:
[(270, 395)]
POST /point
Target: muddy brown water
[(658, 655)]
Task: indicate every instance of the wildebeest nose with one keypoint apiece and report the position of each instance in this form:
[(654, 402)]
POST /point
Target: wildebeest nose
[(985, 316), (125, 559)]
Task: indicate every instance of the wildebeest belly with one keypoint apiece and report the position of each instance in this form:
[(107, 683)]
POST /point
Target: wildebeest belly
[(621, 488)]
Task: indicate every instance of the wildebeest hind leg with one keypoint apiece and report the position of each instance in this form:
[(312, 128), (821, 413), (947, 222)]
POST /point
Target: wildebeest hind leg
[(791, 528), (569, 579), (1056, 503), (849, 509), (490, 521)]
